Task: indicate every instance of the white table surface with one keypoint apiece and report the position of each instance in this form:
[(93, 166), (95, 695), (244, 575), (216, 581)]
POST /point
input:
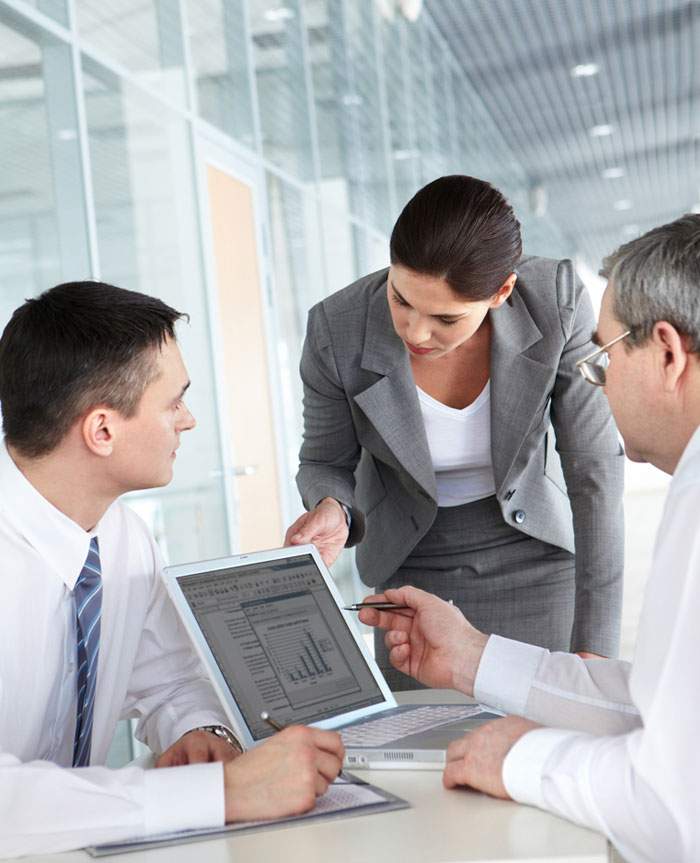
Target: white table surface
[(440, 826)]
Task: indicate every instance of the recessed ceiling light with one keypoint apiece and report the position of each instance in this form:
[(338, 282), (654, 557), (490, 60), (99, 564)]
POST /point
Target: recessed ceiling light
[(401, 155), (612, 173), (623, 204), (281, 13), (585, 70), (600, 131)]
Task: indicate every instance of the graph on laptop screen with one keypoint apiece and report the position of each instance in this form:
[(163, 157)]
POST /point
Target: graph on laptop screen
[(280, 642)]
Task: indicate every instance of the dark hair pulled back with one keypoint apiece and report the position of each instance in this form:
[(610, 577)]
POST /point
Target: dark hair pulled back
[(461, 229)]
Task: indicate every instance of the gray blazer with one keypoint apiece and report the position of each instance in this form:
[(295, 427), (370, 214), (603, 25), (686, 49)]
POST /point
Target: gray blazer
[(557, 461)]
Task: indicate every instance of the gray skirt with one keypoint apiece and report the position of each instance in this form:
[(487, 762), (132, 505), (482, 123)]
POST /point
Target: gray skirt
[(504, 581)]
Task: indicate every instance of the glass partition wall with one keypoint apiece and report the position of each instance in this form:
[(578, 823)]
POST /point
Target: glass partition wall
[(332, 112)]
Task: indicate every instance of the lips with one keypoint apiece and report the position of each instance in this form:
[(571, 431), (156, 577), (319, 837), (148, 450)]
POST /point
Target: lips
[(419, 351)]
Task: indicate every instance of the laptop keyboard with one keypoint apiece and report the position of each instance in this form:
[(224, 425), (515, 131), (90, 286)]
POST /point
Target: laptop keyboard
[(378, 732)]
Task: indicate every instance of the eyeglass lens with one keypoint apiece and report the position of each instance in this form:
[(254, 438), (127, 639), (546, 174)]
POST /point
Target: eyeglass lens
[(594, 373)]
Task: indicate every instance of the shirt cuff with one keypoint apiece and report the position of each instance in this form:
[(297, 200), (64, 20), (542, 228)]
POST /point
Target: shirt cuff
[(524, 765), (184, 798), (505, 674)]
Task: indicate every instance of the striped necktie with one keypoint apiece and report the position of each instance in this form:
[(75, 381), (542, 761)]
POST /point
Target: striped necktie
[(88, 608)]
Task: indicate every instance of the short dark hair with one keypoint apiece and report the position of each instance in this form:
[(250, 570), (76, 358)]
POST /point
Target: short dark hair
[(78, 345), (460, 229), (656, 277)]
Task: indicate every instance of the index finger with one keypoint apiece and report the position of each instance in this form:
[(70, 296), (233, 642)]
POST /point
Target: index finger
[(195, 752), (405, 595), (329, 741), (167, 759), (313, 525), (401, 620), (457, 749), (293, 528)]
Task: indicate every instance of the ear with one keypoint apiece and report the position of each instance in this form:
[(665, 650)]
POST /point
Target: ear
[(98, 431), (503, 292), (671, 354)]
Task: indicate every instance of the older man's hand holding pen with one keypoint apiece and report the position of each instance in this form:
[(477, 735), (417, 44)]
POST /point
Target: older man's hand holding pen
[(432, 641), (428, 638)]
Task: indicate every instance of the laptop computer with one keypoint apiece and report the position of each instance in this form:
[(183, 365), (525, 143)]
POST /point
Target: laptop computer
[(270, 629)]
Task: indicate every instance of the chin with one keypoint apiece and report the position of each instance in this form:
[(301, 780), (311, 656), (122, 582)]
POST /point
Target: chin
[(158, 481), (634, 455)]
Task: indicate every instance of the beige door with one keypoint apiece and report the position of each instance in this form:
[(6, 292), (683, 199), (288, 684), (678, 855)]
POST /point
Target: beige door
[(246, 387)]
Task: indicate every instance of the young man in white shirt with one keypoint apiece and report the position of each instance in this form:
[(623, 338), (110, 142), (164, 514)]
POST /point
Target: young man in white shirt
[(621, 751), (92, 388)]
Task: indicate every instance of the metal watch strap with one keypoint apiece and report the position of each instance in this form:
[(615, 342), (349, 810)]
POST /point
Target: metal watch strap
[(348, 514), (223, 732)]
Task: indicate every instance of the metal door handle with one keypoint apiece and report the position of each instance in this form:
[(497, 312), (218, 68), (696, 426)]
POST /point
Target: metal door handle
[(244, 469)]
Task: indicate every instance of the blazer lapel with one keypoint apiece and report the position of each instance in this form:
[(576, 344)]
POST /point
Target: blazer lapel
[(518, 388), (391, 403), (518, 383)]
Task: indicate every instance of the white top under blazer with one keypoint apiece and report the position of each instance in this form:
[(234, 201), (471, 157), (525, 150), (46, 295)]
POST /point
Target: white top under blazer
[(460, 448)]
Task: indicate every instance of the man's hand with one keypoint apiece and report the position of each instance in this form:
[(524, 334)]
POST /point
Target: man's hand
[(284, 775), (431, 640), (197, 747), (325, 526), (477, 758)]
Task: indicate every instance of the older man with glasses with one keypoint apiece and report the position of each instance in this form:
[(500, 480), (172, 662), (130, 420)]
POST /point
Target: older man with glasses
[(593, 366), (609, 744)]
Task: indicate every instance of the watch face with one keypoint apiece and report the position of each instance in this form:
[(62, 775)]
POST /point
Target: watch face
[(224, 734)]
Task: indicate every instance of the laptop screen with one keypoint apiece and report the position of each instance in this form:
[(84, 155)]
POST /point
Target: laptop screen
[(280, 642)]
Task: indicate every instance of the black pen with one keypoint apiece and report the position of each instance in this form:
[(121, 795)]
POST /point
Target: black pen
[(377, 606), (343, 777)]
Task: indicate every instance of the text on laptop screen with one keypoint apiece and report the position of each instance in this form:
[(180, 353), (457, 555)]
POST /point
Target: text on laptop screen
[(280, 642)]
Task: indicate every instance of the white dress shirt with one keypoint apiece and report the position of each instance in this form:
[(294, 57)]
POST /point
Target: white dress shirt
[(146, 670), (628, 763), (459, 441)]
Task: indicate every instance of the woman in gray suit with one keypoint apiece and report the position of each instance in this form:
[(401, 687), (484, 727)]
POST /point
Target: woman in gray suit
[(449, 434)]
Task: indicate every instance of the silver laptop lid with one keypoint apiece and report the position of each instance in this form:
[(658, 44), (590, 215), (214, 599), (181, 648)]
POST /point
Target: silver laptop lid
[(271, 632)]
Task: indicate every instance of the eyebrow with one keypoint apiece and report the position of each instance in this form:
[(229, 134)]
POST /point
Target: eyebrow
[(445, 315)]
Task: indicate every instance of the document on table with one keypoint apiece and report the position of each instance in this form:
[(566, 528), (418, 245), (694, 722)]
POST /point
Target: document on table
[(344, 798)]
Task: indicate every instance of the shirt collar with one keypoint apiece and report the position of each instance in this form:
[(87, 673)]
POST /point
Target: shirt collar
[(692, 449), (60, 541)]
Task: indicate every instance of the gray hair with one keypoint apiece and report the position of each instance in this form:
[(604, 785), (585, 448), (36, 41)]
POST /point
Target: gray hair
[(656, 277)]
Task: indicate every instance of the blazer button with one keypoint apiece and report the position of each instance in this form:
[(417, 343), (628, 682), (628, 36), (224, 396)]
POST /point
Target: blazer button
[(519, 516)]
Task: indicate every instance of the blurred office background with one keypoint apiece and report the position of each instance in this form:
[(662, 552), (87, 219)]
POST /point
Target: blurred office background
[(243, 158)]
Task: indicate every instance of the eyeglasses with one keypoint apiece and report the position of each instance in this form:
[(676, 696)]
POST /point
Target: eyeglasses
[(593, 367)]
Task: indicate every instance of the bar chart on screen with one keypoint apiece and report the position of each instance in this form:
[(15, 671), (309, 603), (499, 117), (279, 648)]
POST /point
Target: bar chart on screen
[(300, 648)]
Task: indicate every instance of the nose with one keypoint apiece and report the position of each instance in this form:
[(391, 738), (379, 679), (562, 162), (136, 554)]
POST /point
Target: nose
[(418, 329), (187, 420)]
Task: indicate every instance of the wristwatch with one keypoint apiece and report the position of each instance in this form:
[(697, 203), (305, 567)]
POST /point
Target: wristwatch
[(222, 732), (348, 514)]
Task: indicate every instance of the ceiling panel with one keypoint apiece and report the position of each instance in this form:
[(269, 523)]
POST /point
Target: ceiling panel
[(616, 151)]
